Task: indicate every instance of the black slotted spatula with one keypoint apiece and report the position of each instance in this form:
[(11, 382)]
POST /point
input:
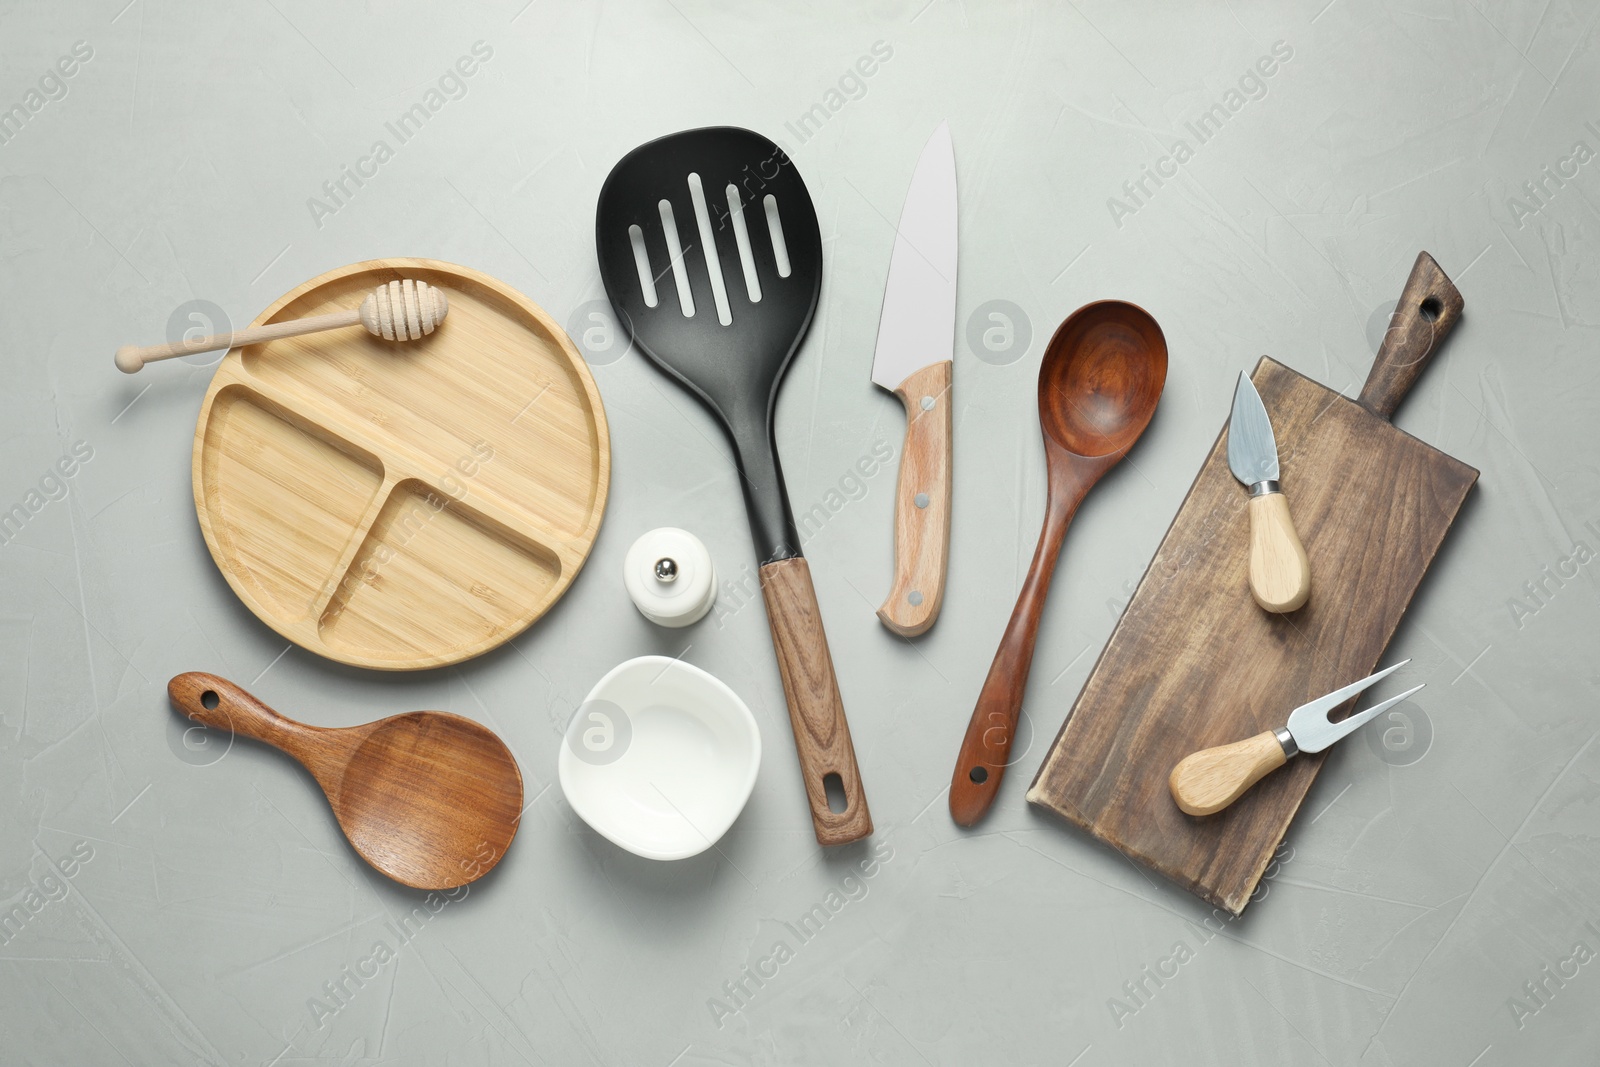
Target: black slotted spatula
[(711, 256)]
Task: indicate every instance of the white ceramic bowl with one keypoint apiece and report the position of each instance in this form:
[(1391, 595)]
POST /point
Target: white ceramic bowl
[(660, 758)]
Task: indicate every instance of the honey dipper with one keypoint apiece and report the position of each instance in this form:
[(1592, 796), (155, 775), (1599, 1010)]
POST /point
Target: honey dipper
[(398, 311)]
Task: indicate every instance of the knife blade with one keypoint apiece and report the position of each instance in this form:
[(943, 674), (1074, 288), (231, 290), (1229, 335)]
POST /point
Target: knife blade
[(913, 360), (1280, 573)]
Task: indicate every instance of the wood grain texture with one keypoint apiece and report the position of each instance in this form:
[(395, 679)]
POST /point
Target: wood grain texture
[(816, 712), (430, 799), (921, 504), (1194, 663), (1429, 308), (403, 506), (986, 746), (1280, 574), (1205, 782), (1099, 383)]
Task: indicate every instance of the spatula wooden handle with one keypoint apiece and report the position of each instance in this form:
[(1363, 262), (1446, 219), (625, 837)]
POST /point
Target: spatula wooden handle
[(1205, 782), (816, 713), (1428, 310), (1280, 574), (921, 504), (218, 703)]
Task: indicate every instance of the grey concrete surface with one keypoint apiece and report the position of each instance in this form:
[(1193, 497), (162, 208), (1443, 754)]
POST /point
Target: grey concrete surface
[(176, 899)]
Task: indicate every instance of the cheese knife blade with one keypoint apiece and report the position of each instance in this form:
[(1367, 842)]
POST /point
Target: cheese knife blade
[(1280, 573)]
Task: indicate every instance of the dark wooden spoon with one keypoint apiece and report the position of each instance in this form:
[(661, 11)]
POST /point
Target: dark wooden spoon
[(1098, 387), (430, 799)]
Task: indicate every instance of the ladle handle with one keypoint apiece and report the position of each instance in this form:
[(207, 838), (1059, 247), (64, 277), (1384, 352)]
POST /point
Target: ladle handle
[(816, 713), (1428, 310), (218, 703), (986, 749)]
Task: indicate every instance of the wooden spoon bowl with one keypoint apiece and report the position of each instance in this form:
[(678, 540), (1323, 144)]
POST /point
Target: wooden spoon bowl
[(1099, 384), (1101, 377), (430, 799)]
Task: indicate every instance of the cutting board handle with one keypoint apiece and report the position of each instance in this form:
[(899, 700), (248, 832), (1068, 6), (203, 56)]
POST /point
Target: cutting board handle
[(1429, 309)]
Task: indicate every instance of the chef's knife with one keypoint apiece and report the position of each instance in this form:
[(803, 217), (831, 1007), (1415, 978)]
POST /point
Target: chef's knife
[(916, 342), (1280, 574), (1204, 783)]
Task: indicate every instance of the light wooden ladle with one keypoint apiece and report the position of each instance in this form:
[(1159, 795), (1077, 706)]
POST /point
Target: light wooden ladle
[(430, 799), (400, 311)]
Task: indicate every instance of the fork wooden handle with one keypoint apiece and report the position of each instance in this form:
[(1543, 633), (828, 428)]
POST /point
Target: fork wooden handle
[(1205, 782), (816, 713)]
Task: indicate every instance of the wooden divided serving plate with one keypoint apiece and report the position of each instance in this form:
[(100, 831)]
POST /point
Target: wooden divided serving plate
[(403, 505)]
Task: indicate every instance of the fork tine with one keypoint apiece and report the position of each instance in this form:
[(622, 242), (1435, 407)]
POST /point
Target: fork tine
[(1324, 704), (1338, 730)]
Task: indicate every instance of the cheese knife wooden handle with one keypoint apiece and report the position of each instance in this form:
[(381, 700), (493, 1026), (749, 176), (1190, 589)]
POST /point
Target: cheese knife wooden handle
[(816, 712), (1280, 574), (922, 504)]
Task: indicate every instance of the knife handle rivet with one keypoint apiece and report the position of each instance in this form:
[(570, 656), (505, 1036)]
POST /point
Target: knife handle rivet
[(927, 403), (921, 500), (915, 598)]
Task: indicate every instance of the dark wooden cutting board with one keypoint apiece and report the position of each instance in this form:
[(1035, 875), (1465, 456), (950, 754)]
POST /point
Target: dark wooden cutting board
[(1193, 662)]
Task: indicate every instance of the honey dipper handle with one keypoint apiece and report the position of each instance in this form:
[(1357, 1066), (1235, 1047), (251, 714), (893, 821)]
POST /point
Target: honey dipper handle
[(131, 357)]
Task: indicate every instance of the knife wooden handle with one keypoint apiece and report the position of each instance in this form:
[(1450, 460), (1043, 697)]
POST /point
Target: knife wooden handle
[(1205, 782), (921, 504), (816, 714), (1280, 574), (1428, 310)]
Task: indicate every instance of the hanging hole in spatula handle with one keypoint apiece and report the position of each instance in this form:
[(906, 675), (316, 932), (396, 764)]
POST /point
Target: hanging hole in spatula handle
[(816, 712), (1428, 310), (218, 703)]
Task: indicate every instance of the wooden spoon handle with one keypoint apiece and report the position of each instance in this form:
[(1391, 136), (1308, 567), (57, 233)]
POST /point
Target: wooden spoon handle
[(921, 504), (1428, 310), (816, 713), (1205, 782), (1280, 574), (221, 705), (986, 748)]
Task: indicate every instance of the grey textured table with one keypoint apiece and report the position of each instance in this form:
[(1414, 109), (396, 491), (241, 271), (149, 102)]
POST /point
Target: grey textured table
[(169, 899)]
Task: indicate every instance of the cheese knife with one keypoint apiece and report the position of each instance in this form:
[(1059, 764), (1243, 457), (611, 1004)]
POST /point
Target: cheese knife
[(1205, 782), (913, 360), (1280, 574)]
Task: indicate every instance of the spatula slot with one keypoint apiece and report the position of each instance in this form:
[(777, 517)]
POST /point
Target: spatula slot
[(775, 229), (702, 218), (741, 235), (680, 276), (641, 262)]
